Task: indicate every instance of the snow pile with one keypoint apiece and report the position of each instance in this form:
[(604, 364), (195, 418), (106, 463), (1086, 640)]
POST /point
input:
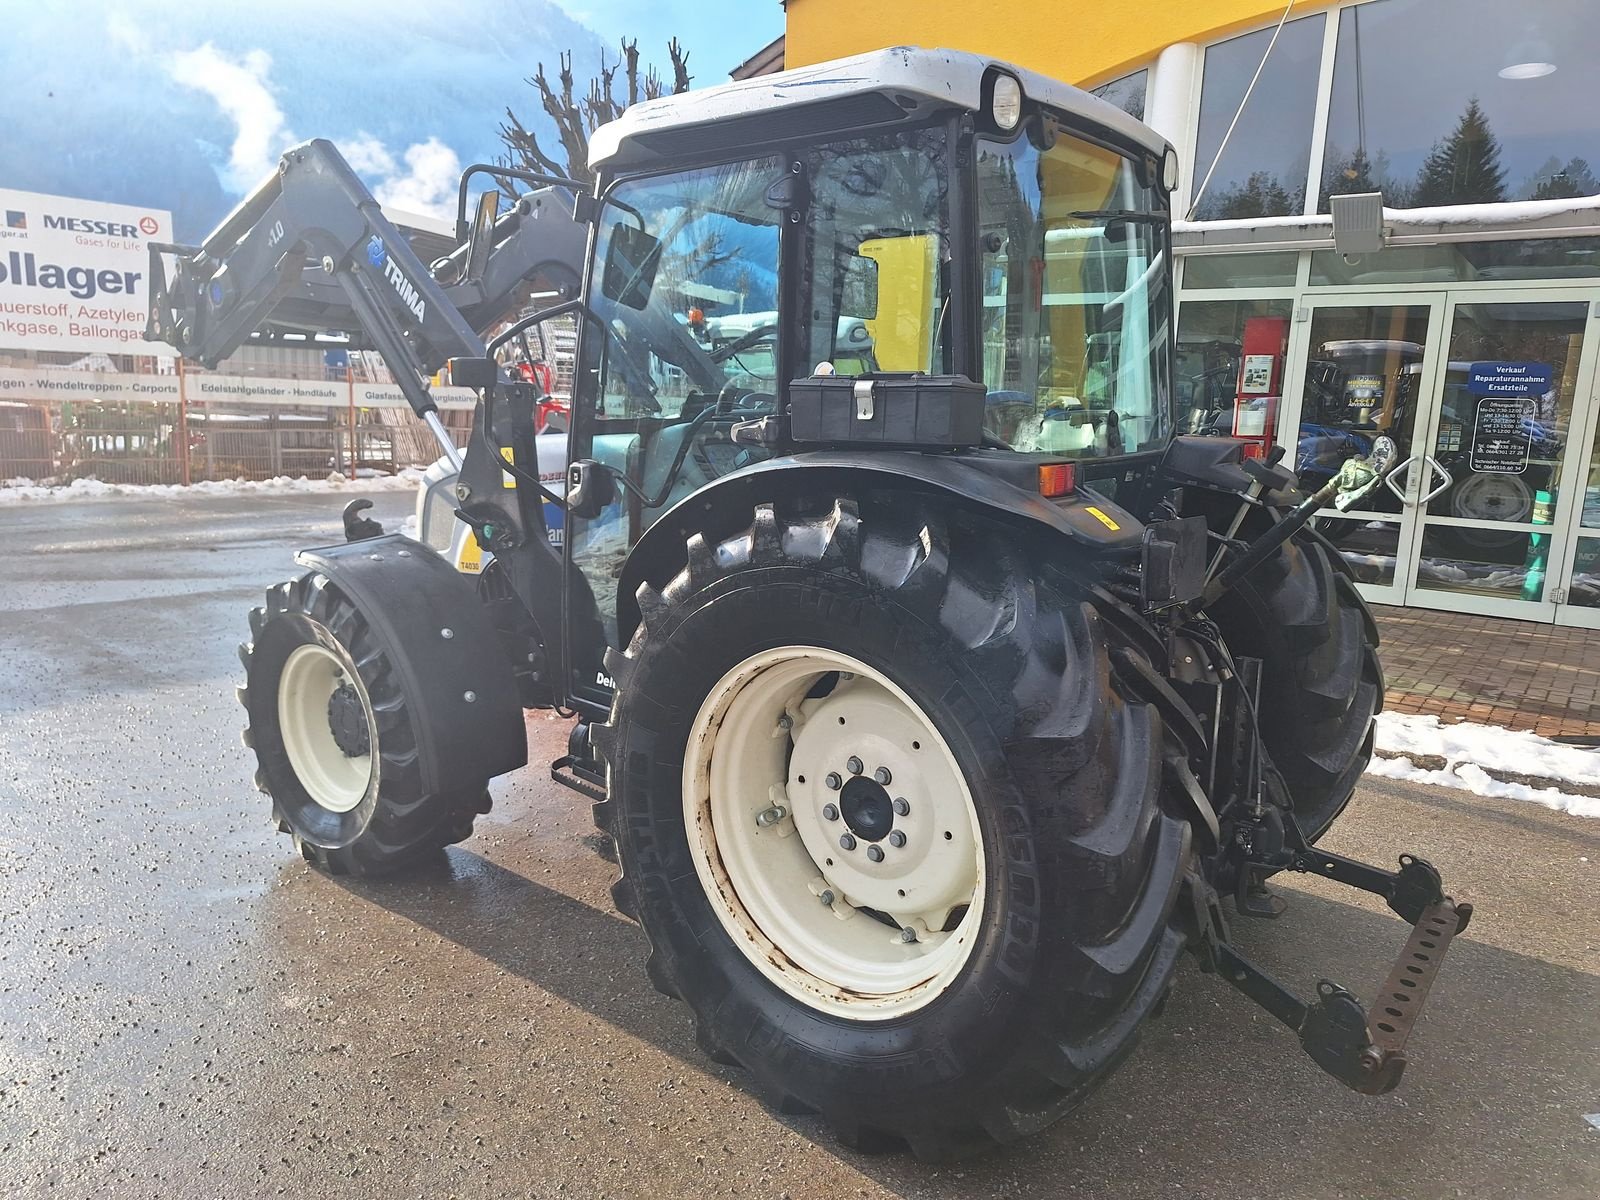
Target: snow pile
[(1470, 752), (19, 491)]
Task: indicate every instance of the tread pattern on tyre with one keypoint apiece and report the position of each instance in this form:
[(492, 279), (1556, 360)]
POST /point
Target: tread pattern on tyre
[(403, 823), (1321, 682), (1078, 776)]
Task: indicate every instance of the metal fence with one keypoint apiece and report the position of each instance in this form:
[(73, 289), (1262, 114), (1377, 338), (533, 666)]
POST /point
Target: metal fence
[(143, 442)]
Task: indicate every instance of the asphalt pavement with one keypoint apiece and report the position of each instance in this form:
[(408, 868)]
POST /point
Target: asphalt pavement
[(188, 1010)]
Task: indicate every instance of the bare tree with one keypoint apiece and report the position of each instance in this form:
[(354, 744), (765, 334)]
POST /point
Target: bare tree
[(576, 115)]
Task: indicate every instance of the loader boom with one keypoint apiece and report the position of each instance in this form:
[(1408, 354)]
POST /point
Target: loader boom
[(311, 252)]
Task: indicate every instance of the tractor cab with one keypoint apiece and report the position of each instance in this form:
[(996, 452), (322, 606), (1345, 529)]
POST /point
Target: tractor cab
[(994, 242)]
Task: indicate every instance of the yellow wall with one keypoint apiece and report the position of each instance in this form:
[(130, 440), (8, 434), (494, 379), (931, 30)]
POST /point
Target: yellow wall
[(1081, 41)]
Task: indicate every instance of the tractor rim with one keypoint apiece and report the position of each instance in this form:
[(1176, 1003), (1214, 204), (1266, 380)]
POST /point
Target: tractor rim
[(326, 759), (834, 833), (1492, 497)]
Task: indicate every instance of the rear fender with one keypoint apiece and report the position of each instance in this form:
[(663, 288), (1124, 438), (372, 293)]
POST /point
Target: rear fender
[(990, 483), (411, 596)]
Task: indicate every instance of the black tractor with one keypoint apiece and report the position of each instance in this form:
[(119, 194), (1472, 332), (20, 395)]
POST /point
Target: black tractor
[(936, 695)]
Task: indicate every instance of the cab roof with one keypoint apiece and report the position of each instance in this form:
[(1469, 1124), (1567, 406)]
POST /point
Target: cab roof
[(875, 90)]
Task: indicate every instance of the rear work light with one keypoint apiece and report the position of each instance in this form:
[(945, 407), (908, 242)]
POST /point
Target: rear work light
[(1057, 479)]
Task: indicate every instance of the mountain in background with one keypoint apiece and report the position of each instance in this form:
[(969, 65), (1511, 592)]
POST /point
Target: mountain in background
[(143, 107)]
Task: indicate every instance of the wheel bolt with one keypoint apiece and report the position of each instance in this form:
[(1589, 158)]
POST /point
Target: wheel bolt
[(830, 812), (902, 806), (882, 775), (875, 853), (833, 781), (853, 765), (847, 841), (786, 722), (897, 838), (908, 934), (827, 897)]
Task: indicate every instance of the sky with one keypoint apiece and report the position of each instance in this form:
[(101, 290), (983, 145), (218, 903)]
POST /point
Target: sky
[(720, 34), (187, 107)]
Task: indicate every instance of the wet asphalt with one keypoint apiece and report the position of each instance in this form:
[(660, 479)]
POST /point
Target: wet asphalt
[(188, 1010)]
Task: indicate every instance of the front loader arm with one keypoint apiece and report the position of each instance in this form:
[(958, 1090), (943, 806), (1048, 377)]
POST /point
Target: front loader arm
[(314, 213)]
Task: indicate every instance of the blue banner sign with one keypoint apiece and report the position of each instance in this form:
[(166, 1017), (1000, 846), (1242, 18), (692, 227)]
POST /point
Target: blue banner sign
[(1509, 378)]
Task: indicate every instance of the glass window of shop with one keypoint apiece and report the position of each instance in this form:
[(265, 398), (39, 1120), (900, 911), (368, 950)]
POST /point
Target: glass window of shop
[(1230, 366), (1463, 102), (1250, 269), (1262, 170), (1460, 262), (1126, 92)]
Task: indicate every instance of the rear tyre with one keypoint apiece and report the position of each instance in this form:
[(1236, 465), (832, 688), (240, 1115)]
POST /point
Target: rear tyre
[(842, 725), (1321, 683), (334, 741)]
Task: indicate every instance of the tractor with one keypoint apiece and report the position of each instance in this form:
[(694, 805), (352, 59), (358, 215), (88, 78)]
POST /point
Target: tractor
[(937, 696)]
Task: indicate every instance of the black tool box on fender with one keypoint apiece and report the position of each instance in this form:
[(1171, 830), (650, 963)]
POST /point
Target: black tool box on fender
[(926, 411)]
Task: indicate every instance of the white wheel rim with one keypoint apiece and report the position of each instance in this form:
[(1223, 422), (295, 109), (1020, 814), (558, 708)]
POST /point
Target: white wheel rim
[(333, 779), (758, 745), (1488, 497)]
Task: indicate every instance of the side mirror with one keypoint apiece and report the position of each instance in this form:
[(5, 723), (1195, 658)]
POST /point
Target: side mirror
[(481, 243), (1358, 476), (632, 259)]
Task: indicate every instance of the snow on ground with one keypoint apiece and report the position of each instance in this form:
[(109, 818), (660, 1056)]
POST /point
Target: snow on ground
[(24, 491), (1471, 751)]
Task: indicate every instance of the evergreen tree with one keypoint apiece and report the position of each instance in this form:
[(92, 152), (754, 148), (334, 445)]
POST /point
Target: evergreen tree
[(1463, 168), (1261, 195), (1574, 179), (1347, 175)]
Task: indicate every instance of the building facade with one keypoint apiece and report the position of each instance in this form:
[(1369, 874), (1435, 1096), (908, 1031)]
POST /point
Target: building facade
[(1468, 325)]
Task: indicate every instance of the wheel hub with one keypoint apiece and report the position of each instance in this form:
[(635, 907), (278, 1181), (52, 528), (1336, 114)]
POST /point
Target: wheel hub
[(347, 719), (867, 809)]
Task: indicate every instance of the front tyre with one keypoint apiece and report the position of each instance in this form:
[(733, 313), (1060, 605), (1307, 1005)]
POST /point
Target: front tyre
[(895, 828), (334, 738)]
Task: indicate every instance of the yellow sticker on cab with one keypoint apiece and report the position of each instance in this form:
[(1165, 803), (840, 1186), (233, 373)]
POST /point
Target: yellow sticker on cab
[(1101, 517)]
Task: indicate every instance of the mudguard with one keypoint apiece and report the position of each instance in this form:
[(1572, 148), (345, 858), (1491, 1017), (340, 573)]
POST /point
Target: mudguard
[(411, 596), (1002, 482)]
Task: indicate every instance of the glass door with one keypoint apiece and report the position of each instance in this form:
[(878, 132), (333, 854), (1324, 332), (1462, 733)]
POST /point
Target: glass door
[(1503, 420), (1577, 594), (1362, 366)]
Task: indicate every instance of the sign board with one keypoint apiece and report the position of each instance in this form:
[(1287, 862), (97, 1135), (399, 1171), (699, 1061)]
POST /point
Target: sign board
[(1256, 377), (1509, 378), (387, 395), (1501, 435), (1363, 391), (73, 274), (38, 384)]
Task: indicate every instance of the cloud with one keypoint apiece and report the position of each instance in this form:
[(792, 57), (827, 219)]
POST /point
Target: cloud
[(240, 88), (428, 184), (367, 156)]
